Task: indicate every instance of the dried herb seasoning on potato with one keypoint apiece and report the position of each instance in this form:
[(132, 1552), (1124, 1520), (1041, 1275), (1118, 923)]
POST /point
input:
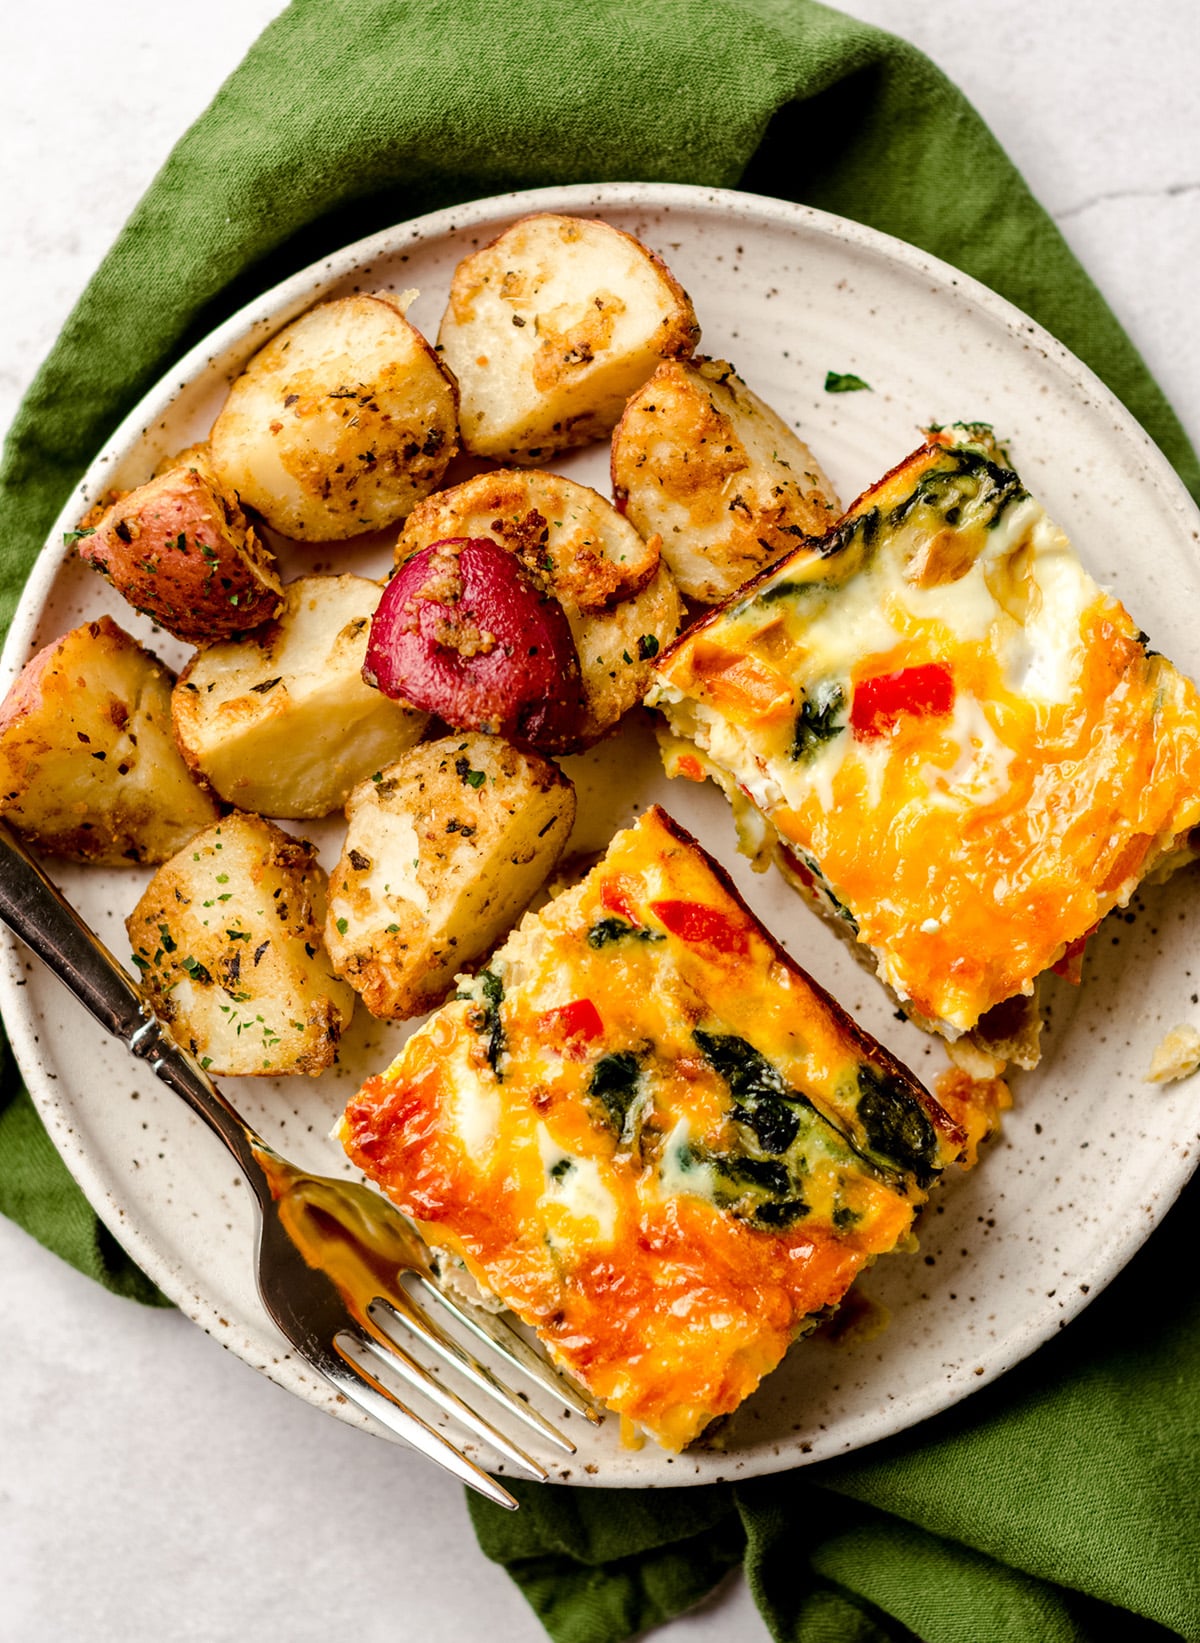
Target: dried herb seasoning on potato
[(182, 551), (282, 722), (443, 851), (549, 330), (227, 939), (722, 480), (88, 766), (621, 603), (559, 529), (341, 423)]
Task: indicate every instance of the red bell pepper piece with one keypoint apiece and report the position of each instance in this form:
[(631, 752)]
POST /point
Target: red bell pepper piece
[(617, 896), (880, 702), (573, 1024), (706, 926)]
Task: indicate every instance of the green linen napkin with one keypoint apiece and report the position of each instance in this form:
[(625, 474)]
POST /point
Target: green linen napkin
[(1061, 1503)]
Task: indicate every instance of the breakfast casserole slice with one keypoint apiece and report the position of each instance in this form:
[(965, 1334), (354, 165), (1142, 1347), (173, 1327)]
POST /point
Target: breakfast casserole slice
[(955, 742), (646, 1131)]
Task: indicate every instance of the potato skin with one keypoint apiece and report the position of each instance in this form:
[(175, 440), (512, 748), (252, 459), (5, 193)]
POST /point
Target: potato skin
[(465, 632), (282, 722), (726, 484), (340, 424), (227, 939), (616, 637), (441, 855), (551, 327), (88, 766), (182, 552)]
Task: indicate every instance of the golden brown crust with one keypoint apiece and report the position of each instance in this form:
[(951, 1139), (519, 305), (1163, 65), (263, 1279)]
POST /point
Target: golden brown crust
[(551, 326), (340, 424), (701, 461), (282, 721), (227, 938), (565, 534), (442, 853), (619, 598), (88, 768)]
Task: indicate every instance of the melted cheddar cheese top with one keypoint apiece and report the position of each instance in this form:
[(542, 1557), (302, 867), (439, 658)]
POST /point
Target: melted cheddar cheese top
[(961, 738), (652, 1136)]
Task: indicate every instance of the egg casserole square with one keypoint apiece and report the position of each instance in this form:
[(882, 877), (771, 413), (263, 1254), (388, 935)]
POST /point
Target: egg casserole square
[(955, 743), (648, 1133)]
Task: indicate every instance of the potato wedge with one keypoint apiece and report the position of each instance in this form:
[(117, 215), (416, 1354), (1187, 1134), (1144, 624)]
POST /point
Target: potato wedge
[(227, 938), (340, 424), (88, 765), (282, 722), (441, 855), (556, 527), (549, 330), (182, 551), (702, 462), (617, 649), (615, 641)]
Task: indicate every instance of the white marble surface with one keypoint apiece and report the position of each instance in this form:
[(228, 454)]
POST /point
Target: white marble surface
[(152, 1487)]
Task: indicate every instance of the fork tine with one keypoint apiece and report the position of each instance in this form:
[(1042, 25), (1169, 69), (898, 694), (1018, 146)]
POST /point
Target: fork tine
[(431, 1332), (357, 1383), (487, 1326), (418, 1377)]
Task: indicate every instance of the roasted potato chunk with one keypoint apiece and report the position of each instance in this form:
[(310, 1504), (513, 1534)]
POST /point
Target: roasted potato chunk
[(88, 766), (703, 463), (282, 722), (549, 330), (182, 551), (559, 529), (442, 852), (617, 651), (340, 424), (569, 535), (227, 938)]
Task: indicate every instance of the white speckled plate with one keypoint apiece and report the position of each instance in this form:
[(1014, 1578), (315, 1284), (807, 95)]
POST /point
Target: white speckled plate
[(1091, 1157)]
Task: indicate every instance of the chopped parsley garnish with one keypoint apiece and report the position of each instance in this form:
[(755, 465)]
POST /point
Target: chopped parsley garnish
[(844, 382), (471, 778)]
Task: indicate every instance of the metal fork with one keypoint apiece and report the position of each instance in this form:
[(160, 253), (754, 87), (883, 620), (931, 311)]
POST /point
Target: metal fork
[(332, 1255)]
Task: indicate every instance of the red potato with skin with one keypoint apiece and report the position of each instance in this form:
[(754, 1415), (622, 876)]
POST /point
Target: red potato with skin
[(181, 550), (621, 603), (463, 631)]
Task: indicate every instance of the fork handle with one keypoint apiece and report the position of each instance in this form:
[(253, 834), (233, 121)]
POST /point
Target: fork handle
[(35, 909)]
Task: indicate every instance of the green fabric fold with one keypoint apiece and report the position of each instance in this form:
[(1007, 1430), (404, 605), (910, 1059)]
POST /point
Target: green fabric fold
[(1060, 1503)]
